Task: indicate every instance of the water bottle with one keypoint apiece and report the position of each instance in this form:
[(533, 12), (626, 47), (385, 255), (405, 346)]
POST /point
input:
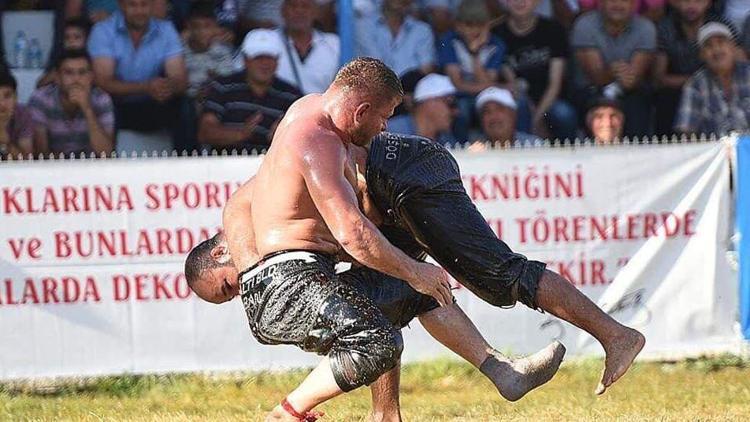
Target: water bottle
[(35, 54), (20, 49)]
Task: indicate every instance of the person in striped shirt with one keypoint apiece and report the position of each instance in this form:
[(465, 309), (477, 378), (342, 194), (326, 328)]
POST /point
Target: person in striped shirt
[(73, 116)]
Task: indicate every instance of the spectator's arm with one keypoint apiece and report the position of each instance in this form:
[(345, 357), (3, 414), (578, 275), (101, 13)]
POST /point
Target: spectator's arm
[(664, 79), (104, 74), (102, 141), (176, 72), (593, 66), (41, 142), (454, 72), (554, 86), (640, 64), (212, 131), (484, 75), (174, 64)]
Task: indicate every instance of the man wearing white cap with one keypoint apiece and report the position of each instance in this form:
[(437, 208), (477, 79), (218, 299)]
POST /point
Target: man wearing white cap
[(241, 109), (497, 114), (433, 113), (716, 99)]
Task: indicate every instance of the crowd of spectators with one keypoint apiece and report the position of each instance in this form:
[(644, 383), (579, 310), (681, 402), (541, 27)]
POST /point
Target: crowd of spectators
[(154, 75)]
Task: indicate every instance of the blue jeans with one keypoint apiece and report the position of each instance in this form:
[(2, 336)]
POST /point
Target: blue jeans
[(561, 119)]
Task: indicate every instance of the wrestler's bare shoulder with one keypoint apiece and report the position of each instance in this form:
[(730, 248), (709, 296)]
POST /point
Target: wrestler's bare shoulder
[(306, 128)]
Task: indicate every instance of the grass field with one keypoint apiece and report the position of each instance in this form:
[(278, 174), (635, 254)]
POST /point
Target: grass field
[(444, 390)]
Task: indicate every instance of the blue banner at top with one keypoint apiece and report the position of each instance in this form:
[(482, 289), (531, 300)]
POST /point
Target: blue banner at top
[(743, 227)]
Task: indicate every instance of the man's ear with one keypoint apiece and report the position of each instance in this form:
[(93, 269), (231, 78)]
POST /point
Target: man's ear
[(220, 253), (360, 111)]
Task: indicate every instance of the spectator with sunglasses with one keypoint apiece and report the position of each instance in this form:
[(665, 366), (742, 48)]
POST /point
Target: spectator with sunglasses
[(433, 113)]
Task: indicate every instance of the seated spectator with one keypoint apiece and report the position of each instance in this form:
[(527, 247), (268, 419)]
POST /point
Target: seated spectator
[(613, 52), (400, 41), (434, 111), (16, 128), (604, 121), (472, 56), (75, 36), (205, 55), (72, 116), (310, 58), (138, 60), (537, 54), (716, 98), (651, 9), (678, 58), (242, 109), (497, 115)]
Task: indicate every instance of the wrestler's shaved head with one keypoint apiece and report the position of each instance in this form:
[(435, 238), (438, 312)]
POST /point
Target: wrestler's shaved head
[(371, 77), (209, 270)]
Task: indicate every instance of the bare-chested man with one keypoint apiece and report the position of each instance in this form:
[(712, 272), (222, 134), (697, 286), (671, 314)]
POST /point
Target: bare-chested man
[(305, 211), (395, 299)]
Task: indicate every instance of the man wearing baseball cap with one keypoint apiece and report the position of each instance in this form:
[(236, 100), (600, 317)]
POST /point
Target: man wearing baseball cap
[(716, 99), (497, 114), (433, 113), (241, 110)]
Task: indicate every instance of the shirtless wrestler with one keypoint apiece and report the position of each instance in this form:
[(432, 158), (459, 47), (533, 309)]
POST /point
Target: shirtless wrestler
[(307, 213)]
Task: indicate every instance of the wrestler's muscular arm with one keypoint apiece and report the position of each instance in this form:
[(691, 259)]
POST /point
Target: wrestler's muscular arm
[(238, 227), (323, 169)]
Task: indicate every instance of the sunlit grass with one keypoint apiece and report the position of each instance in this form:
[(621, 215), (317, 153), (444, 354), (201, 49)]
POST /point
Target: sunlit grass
[(715, 389)]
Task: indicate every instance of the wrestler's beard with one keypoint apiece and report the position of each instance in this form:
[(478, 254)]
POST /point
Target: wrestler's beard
[(361, 136)]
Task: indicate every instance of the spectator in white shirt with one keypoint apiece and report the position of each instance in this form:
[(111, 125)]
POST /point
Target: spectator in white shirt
[(310, 58)]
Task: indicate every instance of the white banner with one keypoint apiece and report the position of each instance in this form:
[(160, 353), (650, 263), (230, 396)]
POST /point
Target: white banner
[(91, 256)]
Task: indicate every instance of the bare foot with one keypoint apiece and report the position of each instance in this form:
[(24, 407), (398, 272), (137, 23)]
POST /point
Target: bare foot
[(621, 351), (516, 377)]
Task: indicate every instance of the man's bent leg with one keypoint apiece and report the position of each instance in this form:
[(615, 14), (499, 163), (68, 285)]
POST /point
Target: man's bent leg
[(316, 388), (450, 326), (304, 303), (458, 237), (621, 344), (513, 377)]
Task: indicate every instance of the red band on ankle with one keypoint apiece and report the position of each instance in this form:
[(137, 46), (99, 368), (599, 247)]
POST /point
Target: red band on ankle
[(306, 417)]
